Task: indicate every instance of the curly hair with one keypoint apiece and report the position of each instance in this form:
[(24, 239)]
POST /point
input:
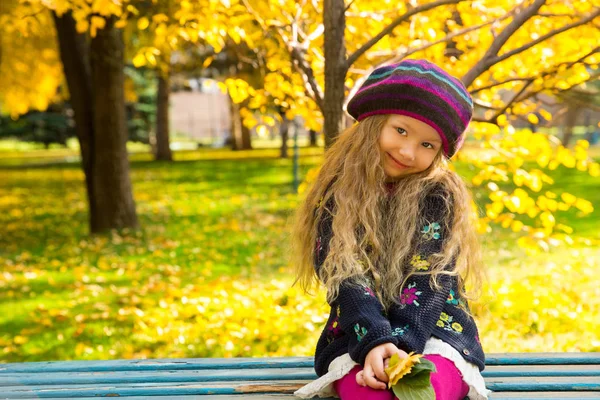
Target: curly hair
[(367, 243)]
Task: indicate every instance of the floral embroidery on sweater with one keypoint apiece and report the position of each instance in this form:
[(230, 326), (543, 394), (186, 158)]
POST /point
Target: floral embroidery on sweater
[(361, 332), (410, 295), (334, 330), (419, 263), (446, 322), (430, 231), (452, 299), (400, 331)]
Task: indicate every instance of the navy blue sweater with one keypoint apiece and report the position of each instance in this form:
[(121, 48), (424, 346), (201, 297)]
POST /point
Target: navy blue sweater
[(358, 322)]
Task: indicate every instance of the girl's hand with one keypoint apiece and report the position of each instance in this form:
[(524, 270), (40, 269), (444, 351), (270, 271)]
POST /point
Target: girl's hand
[(373, 373)]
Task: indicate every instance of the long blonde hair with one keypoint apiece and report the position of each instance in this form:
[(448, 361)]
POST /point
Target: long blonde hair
[(374, 231)]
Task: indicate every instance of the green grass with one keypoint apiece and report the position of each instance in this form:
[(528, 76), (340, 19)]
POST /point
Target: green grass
[(209, 222)]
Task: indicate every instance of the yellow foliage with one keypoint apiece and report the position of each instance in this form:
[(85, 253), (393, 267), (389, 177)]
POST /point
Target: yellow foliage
[(143, 23), (30, 71), (533, 119), (397, 367)]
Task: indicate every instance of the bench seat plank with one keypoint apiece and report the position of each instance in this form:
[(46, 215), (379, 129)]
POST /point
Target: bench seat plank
[(494, 396), (272, 374), (274, 362), (568, 384), (510, 376)]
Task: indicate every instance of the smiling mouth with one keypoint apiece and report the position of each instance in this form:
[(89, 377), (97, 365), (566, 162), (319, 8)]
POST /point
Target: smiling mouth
[(398, 163)]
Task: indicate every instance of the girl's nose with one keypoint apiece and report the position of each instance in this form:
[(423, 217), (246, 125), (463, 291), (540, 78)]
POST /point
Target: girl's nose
[(407, 152)]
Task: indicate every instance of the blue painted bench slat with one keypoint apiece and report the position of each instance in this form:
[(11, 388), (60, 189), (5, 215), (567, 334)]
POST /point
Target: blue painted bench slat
[(501, 396), (511, 376), (268, 374), (496, 396)]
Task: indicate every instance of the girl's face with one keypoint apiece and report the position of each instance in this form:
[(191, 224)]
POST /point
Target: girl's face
[(407, 145)]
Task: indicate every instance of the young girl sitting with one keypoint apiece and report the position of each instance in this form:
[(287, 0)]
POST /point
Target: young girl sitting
[(387, 229)]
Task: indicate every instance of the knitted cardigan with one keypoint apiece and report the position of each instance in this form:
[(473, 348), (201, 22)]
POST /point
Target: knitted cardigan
[(358, 322)]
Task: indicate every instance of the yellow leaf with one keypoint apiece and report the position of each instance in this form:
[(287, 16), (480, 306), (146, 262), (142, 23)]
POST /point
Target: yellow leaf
[(583, 143), (158, 18), (533, 119), (151, 59), (502, 120), (397, 367), (547, 219), (584, 206), (545, 114), (594, 169), (207, 62), (132, 9), (568, 198), (82, 25), (97, 23), (139, 60), (143, 23), (120, 24), (516, 226), (20, 339)]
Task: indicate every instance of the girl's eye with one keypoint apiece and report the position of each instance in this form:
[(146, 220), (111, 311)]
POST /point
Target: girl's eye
[(401, 131), (428, 145)]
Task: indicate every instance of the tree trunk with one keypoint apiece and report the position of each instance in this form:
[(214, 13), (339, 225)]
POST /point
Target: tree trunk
[(74, 54), (240, 134), (571, 115), (284, 130), (334, 20), (246, 139), (110, 171), (163, 149), (236, 126), (313, 138)]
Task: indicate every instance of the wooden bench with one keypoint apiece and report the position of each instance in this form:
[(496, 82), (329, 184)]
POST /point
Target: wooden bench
[(510, 376)]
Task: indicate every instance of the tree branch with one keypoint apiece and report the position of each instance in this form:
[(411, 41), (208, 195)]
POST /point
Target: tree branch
[(487, 60), (307, 74), (544, 74), (524, 96), (479, 89), (448, 37), (484, 106), (545, 37), (298, 60), (424, 47), (512, 100), (388, 29), (349, 5)]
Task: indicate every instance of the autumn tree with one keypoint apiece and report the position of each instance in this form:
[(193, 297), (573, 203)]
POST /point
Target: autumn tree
[(95, 78), (505, 53), (89, 37), (91, 52)]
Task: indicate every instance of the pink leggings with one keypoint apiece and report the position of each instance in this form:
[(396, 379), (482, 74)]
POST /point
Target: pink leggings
[(447, 383)]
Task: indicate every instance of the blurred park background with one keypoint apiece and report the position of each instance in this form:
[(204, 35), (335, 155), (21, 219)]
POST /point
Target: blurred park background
[(152, 154)]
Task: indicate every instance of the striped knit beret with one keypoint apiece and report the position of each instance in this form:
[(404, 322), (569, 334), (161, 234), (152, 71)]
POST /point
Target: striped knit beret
[(421, 90)]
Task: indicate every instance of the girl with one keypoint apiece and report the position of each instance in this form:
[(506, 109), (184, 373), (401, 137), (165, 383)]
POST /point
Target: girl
[(387, 229)]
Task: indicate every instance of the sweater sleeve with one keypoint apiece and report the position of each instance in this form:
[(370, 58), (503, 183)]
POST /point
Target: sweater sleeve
[(420, 306), (361, 316)]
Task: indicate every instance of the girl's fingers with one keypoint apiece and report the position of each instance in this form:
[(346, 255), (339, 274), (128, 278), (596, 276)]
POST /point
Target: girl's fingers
[(379, 371), (360, 379), (370, 378)]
